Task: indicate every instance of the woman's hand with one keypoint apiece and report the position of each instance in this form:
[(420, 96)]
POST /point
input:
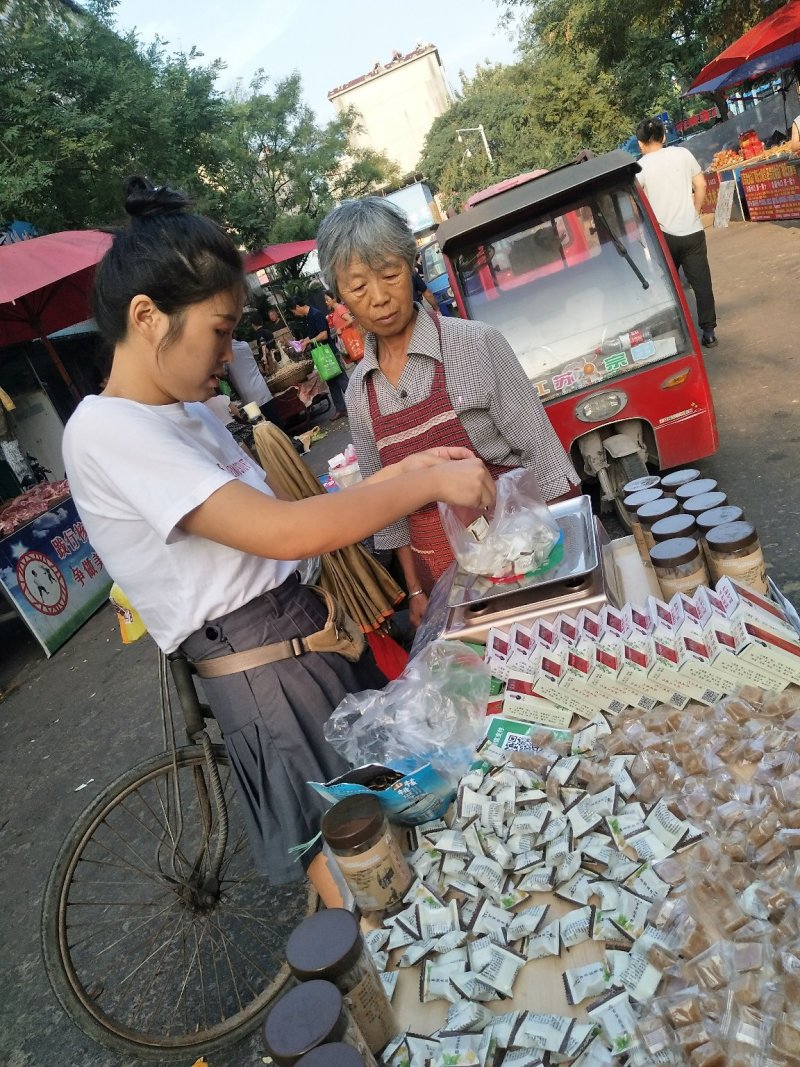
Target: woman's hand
[(465, 482), (417, 607), (431, 457)]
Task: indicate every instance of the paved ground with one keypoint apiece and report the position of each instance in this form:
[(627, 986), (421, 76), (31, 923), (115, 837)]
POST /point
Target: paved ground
[(71, 724)]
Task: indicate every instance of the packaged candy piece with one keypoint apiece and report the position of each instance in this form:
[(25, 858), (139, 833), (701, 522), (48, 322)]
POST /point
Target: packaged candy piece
[(546, 943), (640, 978), (614, 1013), (549, 1032), (580, 983), (578, 926), (466, 1018), (709, 1055)]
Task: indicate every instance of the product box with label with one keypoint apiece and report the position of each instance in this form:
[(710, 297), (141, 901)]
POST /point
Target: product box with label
[(722, 647)]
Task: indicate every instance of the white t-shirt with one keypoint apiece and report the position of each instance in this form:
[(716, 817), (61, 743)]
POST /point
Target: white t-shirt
[(666, 177), (248, 381), (135, 471)]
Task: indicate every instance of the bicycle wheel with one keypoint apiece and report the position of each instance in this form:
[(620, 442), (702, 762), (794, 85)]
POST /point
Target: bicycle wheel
[(143, 955)]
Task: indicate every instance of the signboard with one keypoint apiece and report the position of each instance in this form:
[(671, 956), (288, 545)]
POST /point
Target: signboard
[(772, 191), (52, 575), (712, 192), (722, 212), (417, 204)]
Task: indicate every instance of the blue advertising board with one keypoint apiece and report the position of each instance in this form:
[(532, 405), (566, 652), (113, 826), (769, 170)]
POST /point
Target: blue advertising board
[(52, 575)]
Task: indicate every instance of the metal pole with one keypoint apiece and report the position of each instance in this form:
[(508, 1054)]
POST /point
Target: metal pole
[(485, 143)]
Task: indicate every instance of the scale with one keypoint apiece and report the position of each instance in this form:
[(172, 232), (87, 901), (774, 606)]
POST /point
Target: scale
[(464, 606)]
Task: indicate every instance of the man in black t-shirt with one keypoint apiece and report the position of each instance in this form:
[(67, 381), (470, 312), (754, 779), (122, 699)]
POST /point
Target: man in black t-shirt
[(317, 330)]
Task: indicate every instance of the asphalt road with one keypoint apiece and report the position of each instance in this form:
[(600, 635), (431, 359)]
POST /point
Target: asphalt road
[(71, 724)]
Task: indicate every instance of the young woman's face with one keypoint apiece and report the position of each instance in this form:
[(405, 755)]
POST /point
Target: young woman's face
[(381, 300), (190, 367)]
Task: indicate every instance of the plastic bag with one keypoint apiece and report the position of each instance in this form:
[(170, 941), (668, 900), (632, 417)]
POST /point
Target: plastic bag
[(326, 362), (516, 538), (435, 712)]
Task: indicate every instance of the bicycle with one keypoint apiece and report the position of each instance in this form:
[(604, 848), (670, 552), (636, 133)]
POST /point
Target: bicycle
[(159, 938)]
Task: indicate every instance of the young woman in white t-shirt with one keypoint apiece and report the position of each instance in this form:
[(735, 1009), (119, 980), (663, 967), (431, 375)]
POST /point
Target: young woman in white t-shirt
[(188, 526)]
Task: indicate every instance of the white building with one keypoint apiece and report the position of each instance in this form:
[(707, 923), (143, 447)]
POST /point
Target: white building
[(397, 104)]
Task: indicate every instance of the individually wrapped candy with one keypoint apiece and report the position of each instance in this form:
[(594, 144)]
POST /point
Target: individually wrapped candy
[(516, 538)]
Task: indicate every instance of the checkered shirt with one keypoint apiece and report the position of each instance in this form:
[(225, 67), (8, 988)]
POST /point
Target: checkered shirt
[(496, 403)]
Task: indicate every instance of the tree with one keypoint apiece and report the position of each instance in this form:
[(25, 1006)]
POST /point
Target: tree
[(83, 107), (537, 113), (281, 170), (652, 49)]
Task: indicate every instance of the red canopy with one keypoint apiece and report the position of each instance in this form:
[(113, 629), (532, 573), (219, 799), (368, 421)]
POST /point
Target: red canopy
[(272, 254), (45, 283), (771, 45)]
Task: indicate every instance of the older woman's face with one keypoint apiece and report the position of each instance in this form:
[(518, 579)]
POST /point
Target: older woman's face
[(381, 300)]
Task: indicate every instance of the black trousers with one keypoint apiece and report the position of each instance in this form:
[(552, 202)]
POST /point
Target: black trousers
[(691, 253)]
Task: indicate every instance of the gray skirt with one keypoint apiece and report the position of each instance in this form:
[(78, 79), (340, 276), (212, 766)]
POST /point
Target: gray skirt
[(272, 719)]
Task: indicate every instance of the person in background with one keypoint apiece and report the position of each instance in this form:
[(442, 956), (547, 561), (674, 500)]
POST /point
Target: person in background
[(422, 292), (346, 330), (187, 524), (317, 330), (265, 337), (427, 380), (248, 381), (676, 188)]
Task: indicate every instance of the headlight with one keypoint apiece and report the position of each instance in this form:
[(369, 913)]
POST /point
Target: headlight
[(449, 292), (601, 406)]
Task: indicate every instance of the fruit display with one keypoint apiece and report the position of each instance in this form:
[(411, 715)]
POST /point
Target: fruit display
[(725, 159)]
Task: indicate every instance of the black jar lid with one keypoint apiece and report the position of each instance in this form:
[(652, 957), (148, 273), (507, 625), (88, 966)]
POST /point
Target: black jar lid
[(694, 488), (352, 821), (325, 945), (306, 1016), (718, 516), (336, 1054), (647, 514), (649, 481), (676, 478), (732, 536), (678, 525), (674, 552), (696, 505), (644, 496)]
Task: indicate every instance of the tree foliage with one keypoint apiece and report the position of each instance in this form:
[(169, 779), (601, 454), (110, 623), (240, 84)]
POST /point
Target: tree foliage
[(652, 49), (82, 106), (536, 114)]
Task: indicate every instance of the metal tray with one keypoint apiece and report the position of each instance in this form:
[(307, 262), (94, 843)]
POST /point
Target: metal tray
[(580, 556)]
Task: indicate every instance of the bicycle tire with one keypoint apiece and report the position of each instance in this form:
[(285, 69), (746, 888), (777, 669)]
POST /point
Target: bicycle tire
[(67, 959)]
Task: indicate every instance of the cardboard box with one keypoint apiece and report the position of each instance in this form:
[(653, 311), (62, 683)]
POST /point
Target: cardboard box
[(774, 653), (739, 602), (722, 648)]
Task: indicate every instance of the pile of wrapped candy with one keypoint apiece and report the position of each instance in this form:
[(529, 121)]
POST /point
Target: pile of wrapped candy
[(675, 844)]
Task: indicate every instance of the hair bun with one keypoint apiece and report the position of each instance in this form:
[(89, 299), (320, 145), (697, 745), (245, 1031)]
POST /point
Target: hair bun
[(143, 200)]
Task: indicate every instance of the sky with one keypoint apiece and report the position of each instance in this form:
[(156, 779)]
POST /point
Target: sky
[(327, 50)]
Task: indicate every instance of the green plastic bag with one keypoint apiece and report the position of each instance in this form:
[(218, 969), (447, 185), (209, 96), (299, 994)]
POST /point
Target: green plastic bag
[(326, 362)]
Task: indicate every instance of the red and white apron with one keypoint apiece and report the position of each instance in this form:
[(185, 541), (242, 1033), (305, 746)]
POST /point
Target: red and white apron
[(432, 423)]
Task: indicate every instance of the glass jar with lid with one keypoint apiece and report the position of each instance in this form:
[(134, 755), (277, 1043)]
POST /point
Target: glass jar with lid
[(329, 945), (632, 504), (649, 481), (650, 513), (671, 481), (677, 525), (696, 505), (734, 550), (694, 488), (310, 1015), (367, 852), (707, 520), (679, 566)]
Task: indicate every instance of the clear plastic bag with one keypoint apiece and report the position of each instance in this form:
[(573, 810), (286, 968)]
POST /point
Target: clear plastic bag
[(435, 712), (517, 537)]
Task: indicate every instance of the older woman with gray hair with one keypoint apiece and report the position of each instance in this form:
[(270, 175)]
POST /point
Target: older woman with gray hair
[(426, 381)]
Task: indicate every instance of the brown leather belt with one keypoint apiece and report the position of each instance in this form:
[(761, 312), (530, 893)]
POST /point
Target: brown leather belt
[(339, 634)]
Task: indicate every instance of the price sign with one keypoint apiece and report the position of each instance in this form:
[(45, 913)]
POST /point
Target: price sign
[(722, 211)]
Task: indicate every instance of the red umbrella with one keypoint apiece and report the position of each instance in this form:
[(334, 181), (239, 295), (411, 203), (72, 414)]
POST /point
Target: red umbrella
[(771, 45), (272, 254), (45, 285)]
